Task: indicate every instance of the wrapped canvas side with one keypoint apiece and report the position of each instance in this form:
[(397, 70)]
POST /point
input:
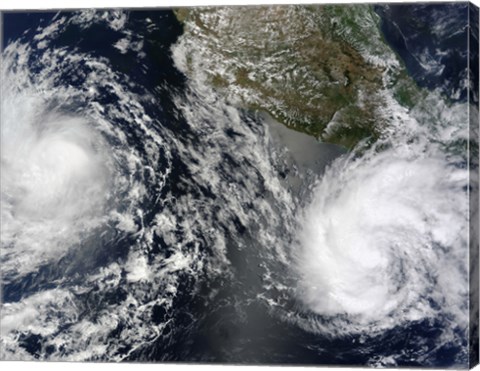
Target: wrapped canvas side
[(474, 178)]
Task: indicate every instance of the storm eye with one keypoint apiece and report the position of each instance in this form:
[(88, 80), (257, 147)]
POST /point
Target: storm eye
[(52, 173)]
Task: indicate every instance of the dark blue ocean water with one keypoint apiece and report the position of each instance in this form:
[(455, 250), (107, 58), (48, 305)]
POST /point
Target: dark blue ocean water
[(432, 41)]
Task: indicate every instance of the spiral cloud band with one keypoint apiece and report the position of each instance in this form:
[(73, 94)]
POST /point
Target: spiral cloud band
[(375, 247)]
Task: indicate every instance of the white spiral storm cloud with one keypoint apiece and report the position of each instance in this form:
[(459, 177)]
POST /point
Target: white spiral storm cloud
[(54, 174), (384, 239)]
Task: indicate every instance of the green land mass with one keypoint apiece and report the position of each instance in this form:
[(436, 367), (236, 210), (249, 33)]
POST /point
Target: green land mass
[(323, 70)]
